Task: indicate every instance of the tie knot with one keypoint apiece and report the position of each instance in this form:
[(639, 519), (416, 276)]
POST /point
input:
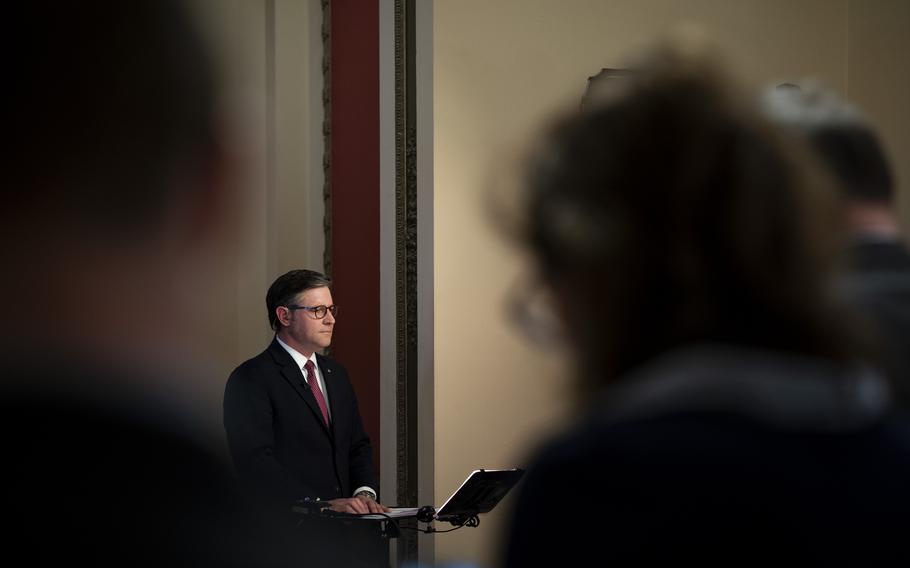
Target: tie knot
[(310, 368)]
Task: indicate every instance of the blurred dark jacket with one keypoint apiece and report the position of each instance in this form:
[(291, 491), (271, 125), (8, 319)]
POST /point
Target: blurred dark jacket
[(723, 456), (879, 282), (99, 473)]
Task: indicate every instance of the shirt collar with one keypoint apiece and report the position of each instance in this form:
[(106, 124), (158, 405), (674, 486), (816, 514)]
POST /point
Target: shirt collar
[(298, 357)]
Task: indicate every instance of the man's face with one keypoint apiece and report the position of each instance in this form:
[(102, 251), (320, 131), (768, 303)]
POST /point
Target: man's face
[(300, 329)]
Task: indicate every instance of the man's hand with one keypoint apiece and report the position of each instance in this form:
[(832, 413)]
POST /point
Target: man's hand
[(359, 505)]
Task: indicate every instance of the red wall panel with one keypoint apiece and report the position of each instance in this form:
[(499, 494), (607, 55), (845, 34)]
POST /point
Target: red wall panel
[(355, 199)]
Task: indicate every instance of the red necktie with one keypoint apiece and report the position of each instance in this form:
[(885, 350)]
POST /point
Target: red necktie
[(317, 392)]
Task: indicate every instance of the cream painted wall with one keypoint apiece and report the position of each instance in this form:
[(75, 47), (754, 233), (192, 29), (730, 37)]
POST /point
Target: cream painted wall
[(500, 68), (270, 54)]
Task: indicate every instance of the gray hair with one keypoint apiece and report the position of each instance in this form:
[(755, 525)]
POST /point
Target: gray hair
[(839, 133)]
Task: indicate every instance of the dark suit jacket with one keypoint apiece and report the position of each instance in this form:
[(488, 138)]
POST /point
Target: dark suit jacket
[(104, 473), (279, 443), (880, 285)]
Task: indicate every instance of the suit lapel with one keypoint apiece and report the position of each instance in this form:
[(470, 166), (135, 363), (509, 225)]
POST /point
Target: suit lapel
[(294, 376)]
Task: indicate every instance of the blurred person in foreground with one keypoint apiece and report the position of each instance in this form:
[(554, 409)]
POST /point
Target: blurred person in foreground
[(878, 260), (688, 249), (116, 217)]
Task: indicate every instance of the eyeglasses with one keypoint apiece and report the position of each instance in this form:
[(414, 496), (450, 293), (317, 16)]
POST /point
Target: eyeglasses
[(316, 312)]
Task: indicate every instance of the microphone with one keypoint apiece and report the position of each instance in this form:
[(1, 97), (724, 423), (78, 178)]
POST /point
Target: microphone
[(426, 514)]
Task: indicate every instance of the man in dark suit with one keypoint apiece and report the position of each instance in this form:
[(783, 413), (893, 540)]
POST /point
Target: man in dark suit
[(290, 413), (878, 281)]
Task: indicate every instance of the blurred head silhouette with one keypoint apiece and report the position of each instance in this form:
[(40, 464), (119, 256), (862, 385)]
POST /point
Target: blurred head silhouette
[(848, 146), (116, 202), (668, 212)]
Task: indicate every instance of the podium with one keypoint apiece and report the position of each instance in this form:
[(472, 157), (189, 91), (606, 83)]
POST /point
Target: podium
[(341, 539), (480, 492)]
